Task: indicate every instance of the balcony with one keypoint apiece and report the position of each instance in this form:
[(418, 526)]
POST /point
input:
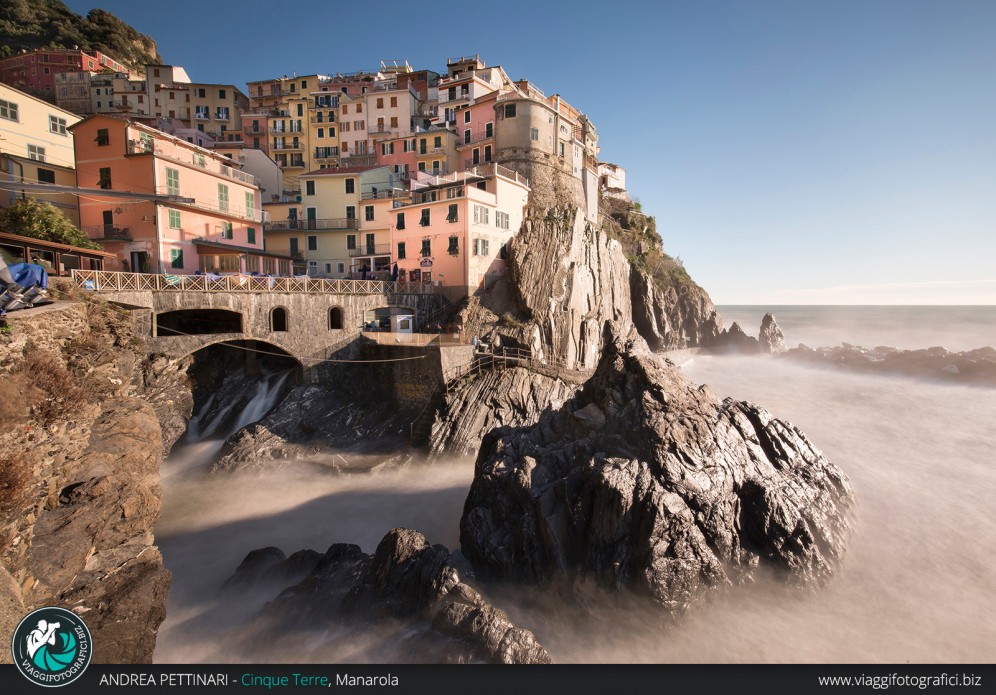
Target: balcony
[(295, 164), (217, 206), (106, 232), (470, 163), (381, 129), (310, 225), (196, 160), (475, 138), (359, 160), (286, 145), (381, 195), (326, 152), (371, 250)]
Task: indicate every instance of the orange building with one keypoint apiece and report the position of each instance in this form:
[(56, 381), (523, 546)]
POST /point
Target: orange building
[(202, 214)]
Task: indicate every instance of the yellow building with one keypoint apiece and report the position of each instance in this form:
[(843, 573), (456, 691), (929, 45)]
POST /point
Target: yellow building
[(323, 129), (436, 152), (36, 146), (342, 224)]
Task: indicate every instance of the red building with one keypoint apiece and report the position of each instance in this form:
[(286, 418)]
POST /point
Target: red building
[(36, 70)]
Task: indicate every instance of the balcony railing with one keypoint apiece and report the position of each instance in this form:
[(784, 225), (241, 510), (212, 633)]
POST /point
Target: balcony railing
[(287, 145), (370, 250), (356, 160), (389, 193), (326, 152), (378, 129), (475, 138), (107, 231), (198, 160), (470, 163), (227, 208), (299, 224), (108, 281)]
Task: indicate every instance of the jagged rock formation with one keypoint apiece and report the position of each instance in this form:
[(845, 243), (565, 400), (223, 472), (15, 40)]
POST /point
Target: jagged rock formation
[(506, 398), (770, 337), (80, 472), (973, 366), (413, 591), (672, 314), (675, 493)]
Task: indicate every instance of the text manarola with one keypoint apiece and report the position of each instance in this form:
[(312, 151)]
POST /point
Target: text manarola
[(165, 679)]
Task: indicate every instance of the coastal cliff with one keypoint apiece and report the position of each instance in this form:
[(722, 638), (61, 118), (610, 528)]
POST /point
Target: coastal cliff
[(80, 473)]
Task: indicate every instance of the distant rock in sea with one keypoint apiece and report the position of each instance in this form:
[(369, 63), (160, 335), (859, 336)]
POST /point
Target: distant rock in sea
[(973, 366)]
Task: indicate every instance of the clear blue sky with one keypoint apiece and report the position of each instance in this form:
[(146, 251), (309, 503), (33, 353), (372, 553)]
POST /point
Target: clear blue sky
[(792, 152)]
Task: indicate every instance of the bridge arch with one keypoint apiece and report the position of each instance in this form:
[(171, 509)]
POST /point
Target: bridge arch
[(198, 321), (241, 348)]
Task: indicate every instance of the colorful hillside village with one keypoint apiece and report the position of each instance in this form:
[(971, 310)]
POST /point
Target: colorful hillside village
[(395, 173)]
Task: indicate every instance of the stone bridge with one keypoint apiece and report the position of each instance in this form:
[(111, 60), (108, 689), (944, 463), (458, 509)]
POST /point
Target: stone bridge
[(305, 317)]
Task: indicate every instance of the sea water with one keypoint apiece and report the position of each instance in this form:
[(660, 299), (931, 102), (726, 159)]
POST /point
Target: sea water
[(917, 583)]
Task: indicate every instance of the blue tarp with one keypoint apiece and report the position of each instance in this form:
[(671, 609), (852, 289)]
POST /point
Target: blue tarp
[(29, 275)]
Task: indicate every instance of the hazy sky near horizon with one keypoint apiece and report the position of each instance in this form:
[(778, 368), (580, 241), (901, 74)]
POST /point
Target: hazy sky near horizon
[(792, 152)]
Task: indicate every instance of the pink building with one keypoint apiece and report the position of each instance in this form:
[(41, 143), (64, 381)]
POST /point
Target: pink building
[(399, 153), (456, 228), (199, 212), (37, 69)]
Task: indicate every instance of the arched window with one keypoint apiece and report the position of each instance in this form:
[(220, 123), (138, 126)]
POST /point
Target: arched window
[(335, 318), (278, 320)]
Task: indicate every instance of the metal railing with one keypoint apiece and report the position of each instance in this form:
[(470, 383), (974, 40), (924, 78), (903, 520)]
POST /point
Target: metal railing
[(507, 358), (215, 205), (106, 231), (388, 193), (370, 250), (198, 160), (109, 281), (326, 152), (475, 138), (305, 224)]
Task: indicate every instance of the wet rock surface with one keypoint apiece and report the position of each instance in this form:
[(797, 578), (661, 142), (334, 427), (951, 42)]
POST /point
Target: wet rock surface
[(675, 493), (972, 366), (413, 595)]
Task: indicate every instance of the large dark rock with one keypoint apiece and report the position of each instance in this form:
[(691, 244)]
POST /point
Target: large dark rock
[(675, 493), (410, 590), (770, 336)]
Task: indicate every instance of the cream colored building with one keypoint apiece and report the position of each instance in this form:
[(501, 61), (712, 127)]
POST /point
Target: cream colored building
[(36, 146), (342, 223)]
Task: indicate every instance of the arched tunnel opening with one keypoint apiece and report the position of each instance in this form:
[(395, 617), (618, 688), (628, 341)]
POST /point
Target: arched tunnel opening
[(198, 322), (237, 382)]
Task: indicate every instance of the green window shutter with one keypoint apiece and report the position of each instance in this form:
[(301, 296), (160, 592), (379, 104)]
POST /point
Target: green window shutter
[(251, 235)]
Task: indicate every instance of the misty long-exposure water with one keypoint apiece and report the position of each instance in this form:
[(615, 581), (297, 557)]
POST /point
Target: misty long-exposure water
[(918, 583)]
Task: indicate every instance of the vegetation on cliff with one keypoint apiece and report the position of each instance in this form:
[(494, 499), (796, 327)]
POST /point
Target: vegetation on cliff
[(28, 24), (42, 220)]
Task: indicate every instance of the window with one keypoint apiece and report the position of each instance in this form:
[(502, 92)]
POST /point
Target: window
[(105, 178), (202, 112), (46, 176), (481, 247), (304, 84), (466, 116), (466, 137), (371, 245), (36, 153), (401, 251), (174, 219), (8, 110), (278, 320), (487, 153), (401, 221), (300, 109), (345, 107), (359, 108), (172, 181), (222, 94), (454, 246), (501, 220), (321, 132), (335, 316), (427, 247), (251, 235), (312, 243), (250, 203), (351, 242), (57, 125), (350, 185), (350, 212), (176, 258), (202, 93), (223, 197), (294, 250), (368, 213), (380, 102), (534, 134), (480, 214), (226, 230), (221, 113), (437, 143), (451, 215), (561, 150), (255, 143), (424, 221), (309, 188), (489, 130), (509, 110)]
